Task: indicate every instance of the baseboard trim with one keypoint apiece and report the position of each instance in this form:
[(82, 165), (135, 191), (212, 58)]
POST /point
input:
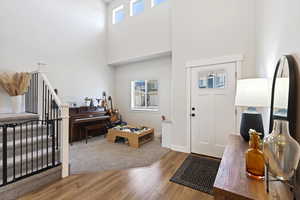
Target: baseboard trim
[(180, 148)]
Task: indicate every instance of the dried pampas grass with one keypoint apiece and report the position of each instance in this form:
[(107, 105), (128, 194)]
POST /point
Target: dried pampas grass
[(15, 84)]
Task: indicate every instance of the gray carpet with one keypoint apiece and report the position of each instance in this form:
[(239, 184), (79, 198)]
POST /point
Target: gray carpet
[(100, 155), (198, 173)]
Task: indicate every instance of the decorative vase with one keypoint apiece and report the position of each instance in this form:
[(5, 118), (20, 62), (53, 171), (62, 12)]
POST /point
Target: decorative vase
[(16, 104), (255, 164), (281, 151)]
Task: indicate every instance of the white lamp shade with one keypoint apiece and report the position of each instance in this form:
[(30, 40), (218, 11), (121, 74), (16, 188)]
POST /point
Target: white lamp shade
[(281, 95), (253, 93)]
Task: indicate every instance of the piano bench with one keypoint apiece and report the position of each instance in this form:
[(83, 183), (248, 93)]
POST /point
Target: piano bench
[(88, 128)]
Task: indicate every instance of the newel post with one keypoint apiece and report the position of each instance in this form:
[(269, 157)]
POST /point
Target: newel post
[(65, 140)]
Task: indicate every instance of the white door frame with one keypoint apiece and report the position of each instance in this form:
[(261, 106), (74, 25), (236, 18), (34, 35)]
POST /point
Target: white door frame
[(237, 59)]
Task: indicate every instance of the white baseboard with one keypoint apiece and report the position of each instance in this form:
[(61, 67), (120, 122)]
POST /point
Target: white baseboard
[(180, 149)]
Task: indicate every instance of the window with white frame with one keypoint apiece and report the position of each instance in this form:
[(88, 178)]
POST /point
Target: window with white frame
[(144, 95), (156, 2), (136, 7), (118, 14)]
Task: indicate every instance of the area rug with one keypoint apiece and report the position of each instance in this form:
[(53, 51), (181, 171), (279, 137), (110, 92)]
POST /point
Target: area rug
[(198, 173), (100, 155)]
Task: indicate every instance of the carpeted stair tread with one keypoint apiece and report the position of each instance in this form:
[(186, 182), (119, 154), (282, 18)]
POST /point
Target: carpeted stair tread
[(11, 117), (18, 157)]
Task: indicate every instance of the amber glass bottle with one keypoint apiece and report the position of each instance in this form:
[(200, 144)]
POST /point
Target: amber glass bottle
[(255, 165)]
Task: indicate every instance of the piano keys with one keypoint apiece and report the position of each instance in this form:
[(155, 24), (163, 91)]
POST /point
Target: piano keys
[(81, 117)]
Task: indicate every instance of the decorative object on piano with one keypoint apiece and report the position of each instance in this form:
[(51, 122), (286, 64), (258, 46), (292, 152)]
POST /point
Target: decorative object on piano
[(252, 93), (98, 102), (92, 103), (114, 113), (104, 101), (87, 101), (72, 104), (15, 85), (281, 150), (255, 165)]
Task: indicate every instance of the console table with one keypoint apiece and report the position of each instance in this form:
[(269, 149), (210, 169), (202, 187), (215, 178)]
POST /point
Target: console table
[(232, 182)]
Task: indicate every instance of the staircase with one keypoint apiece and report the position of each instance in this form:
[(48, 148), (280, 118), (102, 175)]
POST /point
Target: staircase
[(33, 145)]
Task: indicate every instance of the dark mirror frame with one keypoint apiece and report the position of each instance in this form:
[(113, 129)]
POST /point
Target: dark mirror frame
[(291, 112)]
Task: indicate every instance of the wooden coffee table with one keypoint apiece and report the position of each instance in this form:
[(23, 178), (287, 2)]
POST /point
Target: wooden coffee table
[(135, 139)]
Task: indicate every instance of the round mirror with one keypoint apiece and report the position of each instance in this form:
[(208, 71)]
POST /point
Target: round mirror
[(283, 92)]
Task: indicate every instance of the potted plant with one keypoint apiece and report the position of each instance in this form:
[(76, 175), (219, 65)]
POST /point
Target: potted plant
[(15, 85)]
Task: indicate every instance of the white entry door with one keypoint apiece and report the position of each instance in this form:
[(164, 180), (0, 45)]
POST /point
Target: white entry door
[(213, 115)]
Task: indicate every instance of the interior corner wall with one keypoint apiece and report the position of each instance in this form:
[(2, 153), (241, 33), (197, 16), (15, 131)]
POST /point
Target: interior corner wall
[(69, 36), (153, 69), (139, 36), (202, 30)]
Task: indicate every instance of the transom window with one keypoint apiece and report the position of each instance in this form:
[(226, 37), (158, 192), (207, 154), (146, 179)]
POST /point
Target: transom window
[(144, 95), (156, 2), (136, 7), (118, 14)]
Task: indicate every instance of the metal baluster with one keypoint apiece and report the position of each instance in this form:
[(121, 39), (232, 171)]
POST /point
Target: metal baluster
[(4, 167), (31, 146), (57, 127), (47, 141), (53, 143), (42, 137), (21, 156), (37, 145), (14, 152), (26, 141)]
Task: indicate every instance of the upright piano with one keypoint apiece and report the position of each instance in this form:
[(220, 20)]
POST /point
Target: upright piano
[(81, 117)]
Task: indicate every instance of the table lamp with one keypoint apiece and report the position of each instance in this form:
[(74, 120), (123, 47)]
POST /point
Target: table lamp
[(252, 93)]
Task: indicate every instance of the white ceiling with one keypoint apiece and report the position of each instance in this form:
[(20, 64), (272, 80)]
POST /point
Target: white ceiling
[(107, 1)]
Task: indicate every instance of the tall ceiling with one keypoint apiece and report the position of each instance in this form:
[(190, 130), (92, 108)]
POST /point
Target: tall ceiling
[(107, 1)]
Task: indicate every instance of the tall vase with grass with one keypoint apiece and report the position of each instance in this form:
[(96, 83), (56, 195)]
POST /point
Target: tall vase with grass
[(15, 85)]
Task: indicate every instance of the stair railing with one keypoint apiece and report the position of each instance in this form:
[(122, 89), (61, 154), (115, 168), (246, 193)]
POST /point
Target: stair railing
[(28, 148), (43, 100)]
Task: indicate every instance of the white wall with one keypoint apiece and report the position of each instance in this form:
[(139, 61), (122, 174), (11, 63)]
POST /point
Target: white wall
[(154, 69), (207, 29), (145, 34), (278, 28), (70, 36)]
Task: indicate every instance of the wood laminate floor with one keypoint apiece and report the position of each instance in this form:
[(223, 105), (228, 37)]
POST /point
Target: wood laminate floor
[(148, 183)]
